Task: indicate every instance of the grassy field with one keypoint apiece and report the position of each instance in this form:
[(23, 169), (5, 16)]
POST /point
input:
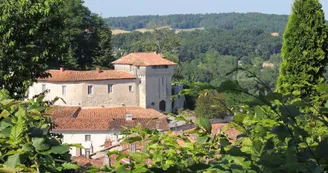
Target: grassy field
[(119, 31), (143, 30)]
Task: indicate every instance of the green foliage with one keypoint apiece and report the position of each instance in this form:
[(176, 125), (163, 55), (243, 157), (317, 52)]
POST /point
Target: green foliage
[(267, 22), (89, 38), (163, 41), (211, 105), (26, 142), (180, 153), (206, 56), (42, 34), (304, 51), (30, 39), (275, 136)]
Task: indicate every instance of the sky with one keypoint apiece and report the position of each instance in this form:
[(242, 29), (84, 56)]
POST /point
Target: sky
[(114, 8)]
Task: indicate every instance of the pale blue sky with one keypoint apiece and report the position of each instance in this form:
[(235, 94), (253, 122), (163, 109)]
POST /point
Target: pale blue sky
[(109, 8)]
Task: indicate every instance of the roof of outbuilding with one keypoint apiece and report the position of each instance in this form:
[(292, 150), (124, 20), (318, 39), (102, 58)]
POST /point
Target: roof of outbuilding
[(143, 59), (103, 119), (92, 75)]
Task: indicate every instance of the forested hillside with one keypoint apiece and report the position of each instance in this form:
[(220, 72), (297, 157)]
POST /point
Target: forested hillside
[(207, 56), (229, 21)]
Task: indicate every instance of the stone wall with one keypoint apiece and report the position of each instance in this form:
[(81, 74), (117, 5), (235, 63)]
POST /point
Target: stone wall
[(77, 93)]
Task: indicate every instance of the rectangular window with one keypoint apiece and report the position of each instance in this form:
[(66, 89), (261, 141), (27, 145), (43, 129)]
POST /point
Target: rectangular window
[(131, 88), (110, 88), (162, 81), (64, 90), (90, 90), (87, 138), (44, 87)]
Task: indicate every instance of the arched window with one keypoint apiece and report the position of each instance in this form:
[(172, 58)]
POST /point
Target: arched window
[(162, 106)]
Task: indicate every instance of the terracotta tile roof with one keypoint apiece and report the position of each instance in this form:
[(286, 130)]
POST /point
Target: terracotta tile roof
[(143, 59), (71, 75), (84, 161), (103, 119), (160, 123), (119, 112), (231, 132), (76, 124), (63, 111)]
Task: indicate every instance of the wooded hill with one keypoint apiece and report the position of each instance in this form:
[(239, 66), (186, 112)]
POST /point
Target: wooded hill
[(229, 21)]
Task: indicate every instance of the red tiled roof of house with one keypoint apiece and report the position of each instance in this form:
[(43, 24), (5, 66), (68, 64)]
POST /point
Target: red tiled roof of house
[(71, 75), (84, 161), (100, 119), (143, 59), (63, 111), (119, 112), (231, 132), (159, 123)]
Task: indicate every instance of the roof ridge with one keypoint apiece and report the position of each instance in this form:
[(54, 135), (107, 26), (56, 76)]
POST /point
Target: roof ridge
[(116, 107)]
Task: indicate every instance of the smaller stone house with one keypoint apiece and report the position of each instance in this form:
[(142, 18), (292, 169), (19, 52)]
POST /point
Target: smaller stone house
[(91, 127)]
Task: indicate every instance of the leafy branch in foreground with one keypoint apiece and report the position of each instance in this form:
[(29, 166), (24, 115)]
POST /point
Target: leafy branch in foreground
[(26, 142), (276, 135)]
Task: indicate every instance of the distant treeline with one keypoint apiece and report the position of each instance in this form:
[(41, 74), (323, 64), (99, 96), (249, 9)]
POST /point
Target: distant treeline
[(229, 21)]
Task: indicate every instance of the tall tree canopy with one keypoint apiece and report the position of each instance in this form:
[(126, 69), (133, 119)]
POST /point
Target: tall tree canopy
[(30, 39), (36, 35), (304, 50), (89, 37)]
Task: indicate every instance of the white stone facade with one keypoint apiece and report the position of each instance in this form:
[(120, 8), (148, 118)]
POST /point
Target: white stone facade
[(96, 142), (151, 87), (145, 82)]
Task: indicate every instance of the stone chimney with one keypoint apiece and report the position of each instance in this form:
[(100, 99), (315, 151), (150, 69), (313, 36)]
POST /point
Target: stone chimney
[(108, 142), (98, 69), (62, 69), (78, 152)]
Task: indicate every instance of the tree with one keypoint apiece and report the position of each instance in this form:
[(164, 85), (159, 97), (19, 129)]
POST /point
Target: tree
[(211, 105), (89, 38), (304, 51), (30, 39), (27, 145)]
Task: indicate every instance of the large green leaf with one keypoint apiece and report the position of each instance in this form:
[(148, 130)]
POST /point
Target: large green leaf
[(13, 161), (4, 124), (39, 144), (140, 170), (70, 166), (60, 149), (17, 130), (10, 170), (205, 124), (138, 156), (4, 113), (132, 139), (259, 113), (122, 169), (202, 139)]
